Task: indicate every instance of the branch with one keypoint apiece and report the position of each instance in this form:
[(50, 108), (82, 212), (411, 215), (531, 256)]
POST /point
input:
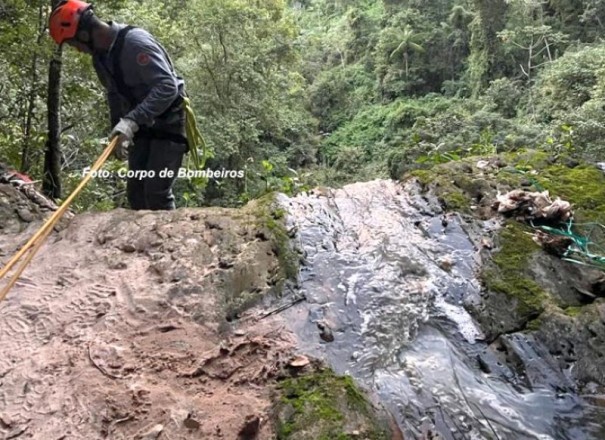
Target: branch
[(523, 70), (64, 129), (220, 39)]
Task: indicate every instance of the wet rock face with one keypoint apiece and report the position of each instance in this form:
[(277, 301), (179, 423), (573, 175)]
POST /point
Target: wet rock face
[(527, 287), (393, 271)]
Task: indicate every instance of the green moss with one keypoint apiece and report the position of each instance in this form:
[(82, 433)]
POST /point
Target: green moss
[(507, 271), (425, 177), (455, 200), (583, 186), (573, 311), (324, 406), (534, 324), (446, 184), (271, 219)]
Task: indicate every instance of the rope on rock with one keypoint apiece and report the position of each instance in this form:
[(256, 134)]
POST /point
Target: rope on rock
[(35, 243)]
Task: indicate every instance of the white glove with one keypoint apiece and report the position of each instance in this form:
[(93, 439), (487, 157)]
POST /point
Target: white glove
[(125, 129)]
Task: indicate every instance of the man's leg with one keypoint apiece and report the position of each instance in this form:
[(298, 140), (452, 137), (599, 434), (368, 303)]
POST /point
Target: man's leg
[(138, 156), (163, 154)]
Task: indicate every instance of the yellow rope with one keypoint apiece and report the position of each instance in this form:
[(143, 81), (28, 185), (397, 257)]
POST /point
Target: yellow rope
[(194, 137), (38, 239)]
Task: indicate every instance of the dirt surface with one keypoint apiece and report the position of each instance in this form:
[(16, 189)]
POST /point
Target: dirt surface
[(119, 330)]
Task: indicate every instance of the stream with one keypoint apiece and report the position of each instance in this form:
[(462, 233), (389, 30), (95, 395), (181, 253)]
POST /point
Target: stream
[(386, 276)]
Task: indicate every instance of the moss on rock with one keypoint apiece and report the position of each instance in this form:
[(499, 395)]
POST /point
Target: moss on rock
[(271, 220), (323, 406), (513, 274), (507, 272)]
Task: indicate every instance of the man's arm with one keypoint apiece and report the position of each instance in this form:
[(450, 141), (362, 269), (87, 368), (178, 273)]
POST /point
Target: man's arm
[(146, 63)]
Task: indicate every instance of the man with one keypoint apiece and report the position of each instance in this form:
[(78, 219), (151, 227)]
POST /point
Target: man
[(144, 94)]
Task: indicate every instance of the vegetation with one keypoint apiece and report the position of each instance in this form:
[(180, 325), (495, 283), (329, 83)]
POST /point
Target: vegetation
[(305, 92), (324, 406)]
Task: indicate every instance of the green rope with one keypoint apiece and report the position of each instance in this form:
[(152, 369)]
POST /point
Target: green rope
[(195, 140)]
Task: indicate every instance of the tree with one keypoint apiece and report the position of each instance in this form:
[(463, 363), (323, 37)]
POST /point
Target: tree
[(52, 158), (407, 38), (485, 56)]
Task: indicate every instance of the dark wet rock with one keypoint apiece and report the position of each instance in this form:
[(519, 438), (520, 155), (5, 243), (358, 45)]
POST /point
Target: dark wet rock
[(128, 248), (527, 287), (191, 423), (381, 288), (325, 332), (483, 365), (577, 338), (250, 429)]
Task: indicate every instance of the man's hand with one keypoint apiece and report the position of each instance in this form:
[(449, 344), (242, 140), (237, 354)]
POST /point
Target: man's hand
[(125, 130)]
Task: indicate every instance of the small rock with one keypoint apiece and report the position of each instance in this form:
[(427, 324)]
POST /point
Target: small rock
[(240, 333), (325, 332), (178, 275), (25, 215), (299, 361), (191, 423), (117, 265), (224, 264), (250, 429), (446, 263), (128, 248), (151, 434), (571, 163)]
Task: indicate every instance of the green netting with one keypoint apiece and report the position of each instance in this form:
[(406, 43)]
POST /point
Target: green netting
[(588, 239)]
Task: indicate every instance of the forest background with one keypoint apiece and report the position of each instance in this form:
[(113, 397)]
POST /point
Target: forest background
[(316, 92)]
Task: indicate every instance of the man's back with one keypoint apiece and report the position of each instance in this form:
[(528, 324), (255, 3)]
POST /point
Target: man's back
[(138, 75)]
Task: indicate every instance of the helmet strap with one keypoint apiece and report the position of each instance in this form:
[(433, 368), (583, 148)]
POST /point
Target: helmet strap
[(84, 33)]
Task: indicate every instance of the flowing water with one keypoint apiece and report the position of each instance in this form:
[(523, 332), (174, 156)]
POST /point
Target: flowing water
[(386, 276)]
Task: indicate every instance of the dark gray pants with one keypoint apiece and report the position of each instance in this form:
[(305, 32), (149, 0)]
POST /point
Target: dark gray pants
[(149, 153)]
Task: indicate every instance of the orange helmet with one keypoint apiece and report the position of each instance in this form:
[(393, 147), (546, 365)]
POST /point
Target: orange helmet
[(65, 18)]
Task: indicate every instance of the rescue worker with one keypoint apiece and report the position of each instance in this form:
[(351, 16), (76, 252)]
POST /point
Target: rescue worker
[(144, 93)]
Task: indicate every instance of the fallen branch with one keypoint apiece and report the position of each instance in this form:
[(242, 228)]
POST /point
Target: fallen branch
[(284, 307)]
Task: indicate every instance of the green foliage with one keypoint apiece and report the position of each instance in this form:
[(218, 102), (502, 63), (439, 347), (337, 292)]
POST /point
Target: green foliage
[(326, 92), (571, 92)]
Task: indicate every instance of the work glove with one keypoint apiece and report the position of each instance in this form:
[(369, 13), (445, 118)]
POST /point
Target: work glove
[(125, 130)]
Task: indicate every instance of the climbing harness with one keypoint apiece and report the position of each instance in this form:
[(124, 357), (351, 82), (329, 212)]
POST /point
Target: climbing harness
[(35, 243)]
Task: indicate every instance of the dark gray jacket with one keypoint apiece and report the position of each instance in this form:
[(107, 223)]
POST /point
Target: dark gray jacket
[(147, 72)]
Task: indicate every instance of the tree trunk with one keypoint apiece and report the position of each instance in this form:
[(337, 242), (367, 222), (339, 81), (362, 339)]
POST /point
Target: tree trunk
[(31, 99), (51, 185), (31, 106)]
